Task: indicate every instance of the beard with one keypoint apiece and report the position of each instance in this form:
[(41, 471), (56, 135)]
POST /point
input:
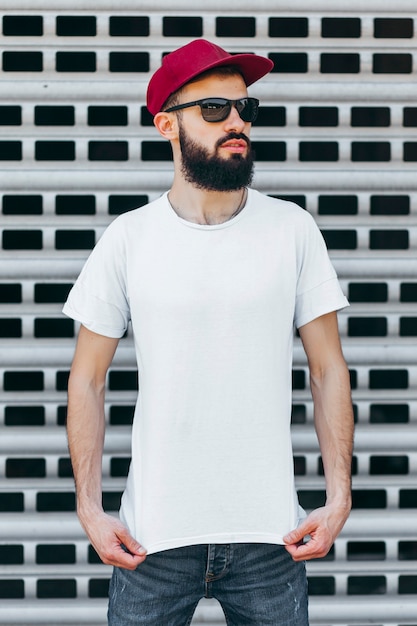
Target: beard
[(213, 173)]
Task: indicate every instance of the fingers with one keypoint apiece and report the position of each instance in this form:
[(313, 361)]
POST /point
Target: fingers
[(114, 544), (313, 549), (316, 527), (131, 544), (297, 535), (118, 557)]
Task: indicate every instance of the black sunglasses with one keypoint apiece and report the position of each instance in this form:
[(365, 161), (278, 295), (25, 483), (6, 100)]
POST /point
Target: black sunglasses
[(218, 109)]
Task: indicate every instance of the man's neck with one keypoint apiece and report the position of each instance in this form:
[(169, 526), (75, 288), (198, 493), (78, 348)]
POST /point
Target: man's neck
[(206, 207)]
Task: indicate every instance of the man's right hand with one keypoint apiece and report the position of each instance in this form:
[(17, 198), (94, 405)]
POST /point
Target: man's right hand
[(110, 539)]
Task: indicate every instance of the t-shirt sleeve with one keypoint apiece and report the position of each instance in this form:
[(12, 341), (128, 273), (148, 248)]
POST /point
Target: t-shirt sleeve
[(98, 299), (318, 289)]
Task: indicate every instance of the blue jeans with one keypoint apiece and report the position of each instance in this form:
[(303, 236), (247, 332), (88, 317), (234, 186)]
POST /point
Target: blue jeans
[(256, 585)]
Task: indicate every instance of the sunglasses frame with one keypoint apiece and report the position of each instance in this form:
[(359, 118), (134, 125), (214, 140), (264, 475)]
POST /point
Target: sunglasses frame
[(227, 104)]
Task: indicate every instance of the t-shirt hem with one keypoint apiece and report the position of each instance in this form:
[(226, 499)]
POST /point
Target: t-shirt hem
[(324, 298), (275, 539), (100, 329), (321, 309)]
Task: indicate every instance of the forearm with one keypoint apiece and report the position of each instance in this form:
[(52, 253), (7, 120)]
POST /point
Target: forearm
[(334, 425), (85, 427), (333, 415)]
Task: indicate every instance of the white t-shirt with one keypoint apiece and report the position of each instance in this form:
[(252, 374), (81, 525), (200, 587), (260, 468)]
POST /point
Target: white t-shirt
[(213, 309)]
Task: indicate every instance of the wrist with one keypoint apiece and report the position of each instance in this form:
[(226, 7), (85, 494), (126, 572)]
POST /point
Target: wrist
[(343, 502), (88, 509)]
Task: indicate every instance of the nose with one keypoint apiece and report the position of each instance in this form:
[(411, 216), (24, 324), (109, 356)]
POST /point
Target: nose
[(234, 122)]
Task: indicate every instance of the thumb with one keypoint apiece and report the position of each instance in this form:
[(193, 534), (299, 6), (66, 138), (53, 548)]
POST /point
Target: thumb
[(130, 543), (296, 535)]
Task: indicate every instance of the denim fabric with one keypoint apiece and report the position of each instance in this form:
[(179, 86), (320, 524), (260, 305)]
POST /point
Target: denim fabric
[(256, 585)]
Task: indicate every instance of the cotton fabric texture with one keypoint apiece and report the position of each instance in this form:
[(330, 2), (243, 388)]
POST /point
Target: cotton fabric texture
[(212, 309)]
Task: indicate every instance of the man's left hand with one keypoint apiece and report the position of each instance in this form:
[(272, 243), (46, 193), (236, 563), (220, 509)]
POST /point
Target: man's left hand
[(322, 527)]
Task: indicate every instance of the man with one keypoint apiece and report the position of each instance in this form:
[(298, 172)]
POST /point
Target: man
[(213, 276)]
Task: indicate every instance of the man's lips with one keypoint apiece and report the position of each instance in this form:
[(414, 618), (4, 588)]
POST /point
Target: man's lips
[(235, 145)]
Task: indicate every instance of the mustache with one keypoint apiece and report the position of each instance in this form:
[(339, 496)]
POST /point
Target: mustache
[(230, 136)]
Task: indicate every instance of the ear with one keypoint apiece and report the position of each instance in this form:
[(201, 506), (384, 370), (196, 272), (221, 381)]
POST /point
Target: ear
[(166, 124)]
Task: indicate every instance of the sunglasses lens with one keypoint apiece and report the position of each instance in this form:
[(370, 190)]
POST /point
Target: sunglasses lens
[(248, 109), (218, 109), (215, 110)]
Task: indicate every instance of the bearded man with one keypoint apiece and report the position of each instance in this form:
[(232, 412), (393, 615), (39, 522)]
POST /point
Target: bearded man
[(213, 277)]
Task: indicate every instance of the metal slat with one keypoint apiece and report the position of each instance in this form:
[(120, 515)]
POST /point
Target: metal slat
[(148, 6), (392, 438)]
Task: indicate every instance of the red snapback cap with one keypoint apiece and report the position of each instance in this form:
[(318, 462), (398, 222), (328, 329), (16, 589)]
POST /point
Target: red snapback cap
[(185, 63)]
